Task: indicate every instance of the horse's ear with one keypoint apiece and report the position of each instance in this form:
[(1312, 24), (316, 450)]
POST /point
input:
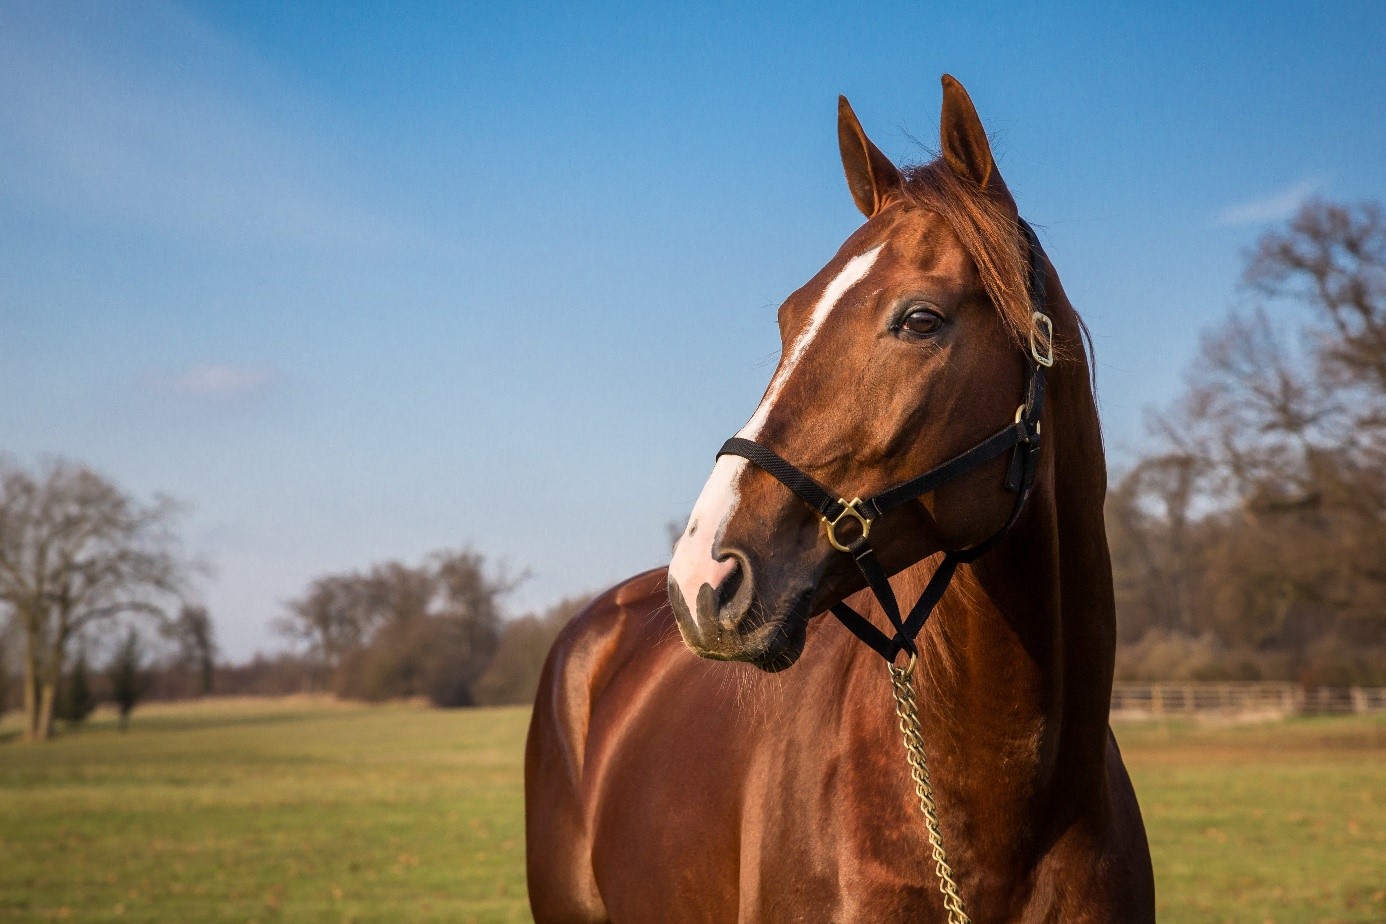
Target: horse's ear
[(964, 141), (871, 176)]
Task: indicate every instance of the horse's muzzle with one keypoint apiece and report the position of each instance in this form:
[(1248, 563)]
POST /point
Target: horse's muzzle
[(729, 623)]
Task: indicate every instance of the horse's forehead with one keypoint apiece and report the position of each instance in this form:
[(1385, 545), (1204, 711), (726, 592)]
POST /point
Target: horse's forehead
[(910, 242), (925, 240)]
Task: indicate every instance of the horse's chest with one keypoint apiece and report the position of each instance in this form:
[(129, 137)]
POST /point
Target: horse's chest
[(832, 826)]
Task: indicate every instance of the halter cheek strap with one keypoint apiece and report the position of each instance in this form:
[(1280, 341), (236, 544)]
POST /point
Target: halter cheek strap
[(1020, 438)]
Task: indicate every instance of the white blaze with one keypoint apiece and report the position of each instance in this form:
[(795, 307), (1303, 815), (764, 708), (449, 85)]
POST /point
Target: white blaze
[(693, 564)]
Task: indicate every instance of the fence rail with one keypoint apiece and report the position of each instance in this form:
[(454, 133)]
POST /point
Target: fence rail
[(1154, 700)]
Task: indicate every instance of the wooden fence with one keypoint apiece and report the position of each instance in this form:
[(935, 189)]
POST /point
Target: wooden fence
[(1155, 700)]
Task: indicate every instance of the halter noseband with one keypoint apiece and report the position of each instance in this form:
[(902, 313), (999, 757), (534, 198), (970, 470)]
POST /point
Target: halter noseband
[(1021, 438)]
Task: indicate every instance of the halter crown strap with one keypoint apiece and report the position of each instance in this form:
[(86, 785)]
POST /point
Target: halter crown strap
[(1021, 438)]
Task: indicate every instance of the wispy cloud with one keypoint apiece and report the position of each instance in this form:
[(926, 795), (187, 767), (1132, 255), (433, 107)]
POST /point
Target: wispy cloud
[(1276, 206), (216, 381)]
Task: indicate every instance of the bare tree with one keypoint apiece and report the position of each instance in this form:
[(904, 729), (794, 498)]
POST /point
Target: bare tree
[(403, 630), (75, 553), (1155, 554), (1262, 517), (436, 631), (469, 605), (1254, 414), (334, 615), (1332, 259)]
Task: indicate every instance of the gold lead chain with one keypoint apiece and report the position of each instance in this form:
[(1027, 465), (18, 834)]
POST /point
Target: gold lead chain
[(907, 708)]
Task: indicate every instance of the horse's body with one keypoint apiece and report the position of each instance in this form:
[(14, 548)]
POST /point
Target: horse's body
[(664, 788)]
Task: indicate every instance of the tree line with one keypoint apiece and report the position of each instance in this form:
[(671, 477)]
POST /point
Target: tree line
[(1250, 542), (82, 565), (434, 630), (99, 605)]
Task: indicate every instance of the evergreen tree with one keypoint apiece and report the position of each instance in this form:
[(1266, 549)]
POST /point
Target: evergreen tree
[(128, 680), (75, 698)]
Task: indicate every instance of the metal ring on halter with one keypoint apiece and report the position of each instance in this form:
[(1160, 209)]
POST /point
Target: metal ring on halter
[(849, 508), (908, 669), (1020, 412)]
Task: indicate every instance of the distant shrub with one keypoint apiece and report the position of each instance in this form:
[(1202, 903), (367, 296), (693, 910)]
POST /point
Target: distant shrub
[(427, 656), (513, 675), (1164, 655)]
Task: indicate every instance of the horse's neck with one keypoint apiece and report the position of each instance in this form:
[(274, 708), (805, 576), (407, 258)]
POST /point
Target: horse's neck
[(1017, 662)]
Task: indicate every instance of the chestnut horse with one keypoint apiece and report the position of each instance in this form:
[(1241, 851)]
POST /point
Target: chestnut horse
[(660, 787)]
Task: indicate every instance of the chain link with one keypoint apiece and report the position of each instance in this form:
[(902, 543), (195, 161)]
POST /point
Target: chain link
[(907, 708)]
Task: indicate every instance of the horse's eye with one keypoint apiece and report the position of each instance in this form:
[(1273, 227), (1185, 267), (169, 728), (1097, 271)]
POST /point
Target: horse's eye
[(922, 322)]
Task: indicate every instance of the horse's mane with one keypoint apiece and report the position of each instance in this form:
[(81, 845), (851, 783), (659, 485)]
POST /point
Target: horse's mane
[(986, 227)]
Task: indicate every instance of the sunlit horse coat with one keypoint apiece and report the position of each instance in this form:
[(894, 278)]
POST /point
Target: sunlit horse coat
[(661, 787)]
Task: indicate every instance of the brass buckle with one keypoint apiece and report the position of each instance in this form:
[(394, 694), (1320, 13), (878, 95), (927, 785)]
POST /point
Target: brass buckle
[(849, 508), (1041, 319)]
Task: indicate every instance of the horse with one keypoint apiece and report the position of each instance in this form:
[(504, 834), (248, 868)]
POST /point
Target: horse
[(663, 787)]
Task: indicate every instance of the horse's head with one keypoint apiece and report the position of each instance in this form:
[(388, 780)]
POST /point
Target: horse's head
[(903, 351)]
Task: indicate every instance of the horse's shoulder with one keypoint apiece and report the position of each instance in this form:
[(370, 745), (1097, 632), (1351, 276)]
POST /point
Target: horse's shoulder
[(583, 660), (612, 620), (591, 648)]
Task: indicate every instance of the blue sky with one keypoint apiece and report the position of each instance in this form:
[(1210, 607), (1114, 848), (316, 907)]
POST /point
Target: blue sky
[(362, 281)]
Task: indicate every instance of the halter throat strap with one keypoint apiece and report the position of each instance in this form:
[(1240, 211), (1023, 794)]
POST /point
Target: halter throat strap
[(1021, 438)]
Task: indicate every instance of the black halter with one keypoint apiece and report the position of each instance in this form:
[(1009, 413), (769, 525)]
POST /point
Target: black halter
[(1021, 438)]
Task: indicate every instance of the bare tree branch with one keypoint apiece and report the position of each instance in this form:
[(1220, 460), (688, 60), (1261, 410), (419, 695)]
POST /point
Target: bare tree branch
[(75, 553)]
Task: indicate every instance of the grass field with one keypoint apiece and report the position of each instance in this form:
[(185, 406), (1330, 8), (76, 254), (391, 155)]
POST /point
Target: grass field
[(310, 810)]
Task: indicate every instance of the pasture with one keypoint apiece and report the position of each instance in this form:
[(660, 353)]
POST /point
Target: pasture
[(307, 809)]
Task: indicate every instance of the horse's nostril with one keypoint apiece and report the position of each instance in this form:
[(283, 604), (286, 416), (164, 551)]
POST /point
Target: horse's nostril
[(707, 607), (730, 584), (716, 605)]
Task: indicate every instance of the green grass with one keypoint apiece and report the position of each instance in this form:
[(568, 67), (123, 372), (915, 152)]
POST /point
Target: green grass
[(1280, 822), (287, 810), (308, 810)]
